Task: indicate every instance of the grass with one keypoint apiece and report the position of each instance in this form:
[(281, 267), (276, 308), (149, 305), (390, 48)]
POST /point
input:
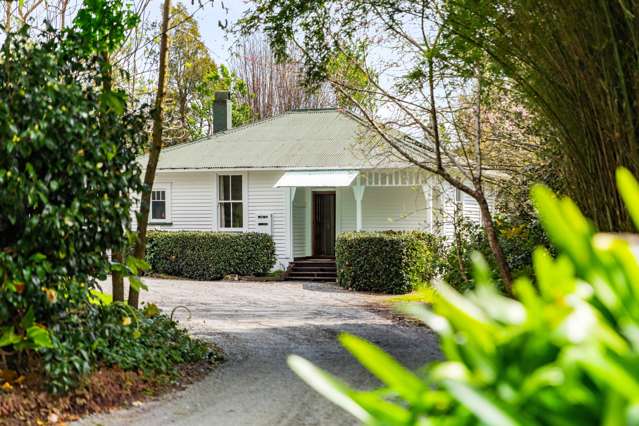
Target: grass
[(423, 294)]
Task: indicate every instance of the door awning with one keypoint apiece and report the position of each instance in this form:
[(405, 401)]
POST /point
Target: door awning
[(317, 178)]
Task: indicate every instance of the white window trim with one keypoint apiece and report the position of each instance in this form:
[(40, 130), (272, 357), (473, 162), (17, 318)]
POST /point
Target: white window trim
[(166, 187), (244, 227)]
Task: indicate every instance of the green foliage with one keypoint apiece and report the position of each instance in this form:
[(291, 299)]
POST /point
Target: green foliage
[(193, 79), (564, 353), (67, 168), (577, 65), (116, 335), (350, 70), (517, 238), (210, 255), (101, 25), (387, 262)]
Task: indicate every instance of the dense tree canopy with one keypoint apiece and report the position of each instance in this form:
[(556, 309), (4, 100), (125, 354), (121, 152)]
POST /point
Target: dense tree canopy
[(193, 78), (67, 168), (577, 64)]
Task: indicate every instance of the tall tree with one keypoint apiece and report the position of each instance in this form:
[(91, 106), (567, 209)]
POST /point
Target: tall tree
[(577, 63), (154, 151), (189, 62), (275, 87), (414, 91), (193, 78)]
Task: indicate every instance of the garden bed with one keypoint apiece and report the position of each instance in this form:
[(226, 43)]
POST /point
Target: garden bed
[(108, 388)]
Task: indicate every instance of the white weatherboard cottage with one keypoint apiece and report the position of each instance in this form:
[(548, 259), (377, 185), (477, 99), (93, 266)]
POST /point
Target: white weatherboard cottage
[(303, 177)]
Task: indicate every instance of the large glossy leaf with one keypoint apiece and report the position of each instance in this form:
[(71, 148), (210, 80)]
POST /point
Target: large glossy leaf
[(137, 284), (565, 226), (487, 410), (328, 386), (629, 190), (466, 315), (8, 336), (39, 336), (385, 368)]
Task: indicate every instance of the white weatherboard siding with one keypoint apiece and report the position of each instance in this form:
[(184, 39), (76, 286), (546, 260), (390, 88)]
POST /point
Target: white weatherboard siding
[(397, 209), (193, 197), (345, 209), (383, 209), (471, 209), (263, 198), (452, 199)]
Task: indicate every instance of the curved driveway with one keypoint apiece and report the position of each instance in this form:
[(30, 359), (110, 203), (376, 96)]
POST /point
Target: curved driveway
[(258, 325)]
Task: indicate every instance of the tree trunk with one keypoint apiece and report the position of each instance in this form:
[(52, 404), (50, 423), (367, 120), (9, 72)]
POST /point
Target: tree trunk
[(154, 152), (491, 234), (117, 281)]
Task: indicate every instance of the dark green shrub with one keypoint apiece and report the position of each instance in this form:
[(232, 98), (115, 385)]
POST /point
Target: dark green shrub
[(210, 255), (68, 153), (518, 240), (116, 335), (386, 262), (564, 353)]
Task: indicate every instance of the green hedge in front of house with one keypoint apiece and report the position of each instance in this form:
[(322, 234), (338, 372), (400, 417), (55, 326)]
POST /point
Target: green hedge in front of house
[(210, 255), (386, 262)]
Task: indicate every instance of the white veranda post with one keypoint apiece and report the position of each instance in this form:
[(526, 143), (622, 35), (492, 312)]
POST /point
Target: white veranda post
[(291, 199), (432, 194), (428, 195), (358, 192)]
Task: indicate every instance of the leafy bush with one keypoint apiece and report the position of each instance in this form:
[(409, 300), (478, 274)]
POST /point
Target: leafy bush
[(387, 262), (210, 255), (518, 240), (566, 352), (116, 335), (67, 166)]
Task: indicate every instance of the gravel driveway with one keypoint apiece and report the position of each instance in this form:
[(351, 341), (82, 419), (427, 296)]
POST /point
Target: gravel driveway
[(258, 325)]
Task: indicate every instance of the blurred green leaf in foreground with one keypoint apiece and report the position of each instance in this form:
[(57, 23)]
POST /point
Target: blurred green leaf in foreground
[(565, 352)]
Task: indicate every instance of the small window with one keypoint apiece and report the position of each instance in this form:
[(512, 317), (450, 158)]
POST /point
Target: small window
[(231, 203), (160, 205)]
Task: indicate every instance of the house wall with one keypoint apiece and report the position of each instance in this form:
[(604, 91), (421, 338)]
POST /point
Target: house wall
[(193, 204), (263, 198), (384, 208)]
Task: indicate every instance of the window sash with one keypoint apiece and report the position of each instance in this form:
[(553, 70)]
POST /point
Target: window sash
[(158, 205), (231, 202)]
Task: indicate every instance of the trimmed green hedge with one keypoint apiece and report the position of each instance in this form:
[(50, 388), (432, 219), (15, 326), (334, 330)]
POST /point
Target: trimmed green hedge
[(386, 262), (210, 255)]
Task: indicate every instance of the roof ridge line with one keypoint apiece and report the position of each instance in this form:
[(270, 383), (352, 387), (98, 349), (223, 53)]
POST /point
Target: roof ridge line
[(224, 132), (253, 123)]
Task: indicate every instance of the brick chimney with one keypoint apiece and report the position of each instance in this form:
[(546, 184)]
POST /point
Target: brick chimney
[(222, 112)]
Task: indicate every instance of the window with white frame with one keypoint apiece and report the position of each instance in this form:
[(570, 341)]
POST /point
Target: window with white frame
[(160, 204), (230, 202)]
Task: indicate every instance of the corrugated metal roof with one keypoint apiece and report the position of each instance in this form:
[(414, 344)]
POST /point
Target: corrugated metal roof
[(305, 139)]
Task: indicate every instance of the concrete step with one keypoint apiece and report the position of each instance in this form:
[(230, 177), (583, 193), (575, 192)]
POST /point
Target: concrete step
[(304, 268), (309, 269), (295, 272), (311, 278), (313, 264)]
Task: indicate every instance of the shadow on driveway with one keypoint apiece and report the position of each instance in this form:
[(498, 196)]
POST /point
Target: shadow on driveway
[(258, 325)]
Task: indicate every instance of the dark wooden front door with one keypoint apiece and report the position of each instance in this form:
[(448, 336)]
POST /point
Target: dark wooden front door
[(323, 224)]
